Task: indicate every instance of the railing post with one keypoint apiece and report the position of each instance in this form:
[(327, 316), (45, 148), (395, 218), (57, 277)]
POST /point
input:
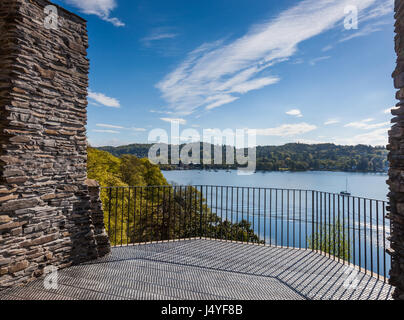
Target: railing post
[(109, 213), (312, 221), (200, 215)]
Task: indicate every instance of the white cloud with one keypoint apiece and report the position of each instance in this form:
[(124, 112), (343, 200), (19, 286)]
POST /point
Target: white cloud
[(287, 130), (376, 137), (104, 100), (331, 121), (106, 131), (220, 100), (218, 68), (314, 61), (327, 48), (138, 129), (160, 36), (295, 112), (388, 111), (364, 31), (179, 120), (110, 126), (254, 85), (100, 8), (157, 34), (365, 125), (161, 112), (384, 8)]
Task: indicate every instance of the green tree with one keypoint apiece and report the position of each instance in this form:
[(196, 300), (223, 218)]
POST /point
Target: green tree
[(332, 239), (140, 206)]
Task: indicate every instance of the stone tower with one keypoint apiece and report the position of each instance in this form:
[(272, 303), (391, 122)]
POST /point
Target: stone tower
[(396, 158), (46, 213)]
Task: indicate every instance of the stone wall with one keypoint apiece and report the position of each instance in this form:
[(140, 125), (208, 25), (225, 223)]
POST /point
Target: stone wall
[(396, 158), (46, 212), (97, 218)]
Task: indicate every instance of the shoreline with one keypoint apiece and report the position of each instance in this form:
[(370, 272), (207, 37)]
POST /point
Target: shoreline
[(274, 171)]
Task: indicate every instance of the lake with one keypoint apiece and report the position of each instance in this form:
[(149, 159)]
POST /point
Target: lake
[(291, 218), (367, 185)]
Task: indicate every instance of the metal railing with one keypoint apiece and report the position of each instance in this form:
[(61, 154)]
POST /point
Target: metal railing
[(352, 230)]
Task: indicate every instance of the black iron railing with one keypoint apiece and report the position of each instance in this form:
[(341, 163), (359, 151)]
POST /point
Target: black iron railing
[(352, 230)]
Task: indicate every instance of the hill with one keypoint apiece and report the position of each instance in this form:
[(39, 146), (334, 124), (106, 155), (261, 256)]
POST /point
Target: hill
[(290, 157)]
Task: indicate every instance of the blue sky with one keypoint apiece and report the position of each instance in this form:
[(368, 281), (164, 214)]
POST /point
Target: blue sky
[(289, 69)]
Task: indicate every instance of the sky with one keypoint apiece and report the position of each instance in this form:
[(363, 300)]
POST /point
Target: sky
[(294, 71)]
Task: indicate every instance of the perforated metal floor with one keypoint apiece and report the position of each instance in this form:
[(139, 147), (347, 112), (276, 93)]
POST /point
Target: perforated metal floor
[(207, 269)]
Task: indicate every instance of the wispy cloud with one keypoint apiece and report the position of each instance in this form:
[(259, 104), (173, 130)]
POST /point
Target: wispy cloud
[(219, 100), (161, 112), (378, 137), (103, 125), (287, 130), (364, 31), (100, 8), (104, 100), (327, 48), (295, 112), (157, 34), (383, 8), (112, 126), (221, 72), (179, 120), (366, 125), (314, 61), (106, 131), (388, 111), (331, 121), (138, 129)]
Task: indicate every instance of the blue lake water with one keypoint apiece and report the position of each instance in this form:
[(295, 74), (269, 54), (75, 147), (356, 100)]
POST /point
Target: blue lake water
[(368, 185), (289, 218)]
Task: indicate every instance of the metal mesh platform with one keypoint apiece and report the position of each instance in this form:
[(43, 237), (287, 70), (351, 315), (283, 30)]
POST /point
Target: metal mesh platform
[(207, 269)]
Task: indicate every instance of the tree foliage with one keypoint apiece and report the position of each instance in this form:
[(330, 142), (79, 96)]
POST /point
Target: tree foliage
[(140, 206), (333, 239)]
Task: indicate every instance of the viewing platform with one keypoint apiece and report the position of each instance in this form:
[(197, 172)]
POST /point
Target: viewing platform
[(208, 269)]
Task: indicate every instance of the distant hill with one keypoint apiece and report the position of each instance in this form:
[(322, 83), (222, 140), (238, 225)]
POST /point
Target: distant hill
[(290, 157), (138, 150)]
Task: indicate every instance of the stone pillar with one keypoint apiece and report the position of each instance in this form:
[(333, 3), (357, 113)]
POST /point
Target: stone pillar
[(396, 158), (97, 218), (45, 204)]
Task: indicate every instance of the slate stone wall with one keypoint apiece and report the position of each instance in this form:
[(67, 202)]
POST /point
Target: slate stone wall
[(396, 158), (46, 207)]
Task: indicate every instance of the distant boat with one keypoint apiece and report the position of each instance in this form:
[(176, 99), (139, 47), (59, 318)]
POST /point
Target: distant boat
[(346, 192)]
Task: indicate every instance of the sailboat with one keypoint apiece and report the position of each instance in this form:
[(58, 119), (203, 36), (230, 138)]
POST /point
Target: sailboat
[(346, 192)]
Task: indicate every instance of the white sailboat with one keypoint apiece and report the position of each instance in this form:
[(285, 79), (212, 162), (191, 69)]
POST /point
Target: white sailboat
[(346, 192)]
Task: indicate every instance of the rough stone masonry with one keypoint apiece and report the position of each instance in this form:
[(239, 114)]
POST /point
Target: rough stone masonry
[(49, 213), (396, 158)]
